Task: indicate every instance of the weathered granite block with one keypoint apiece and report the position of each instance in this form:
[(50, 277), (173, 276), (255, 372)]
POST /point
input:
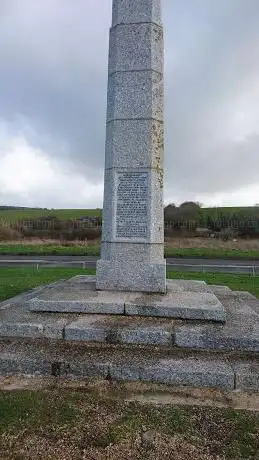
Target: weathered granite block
[(185, 305), (78, 360), (217, 337), (140, 277), (85, 330), (20, 329), (175, 303), (175, 285), (240, 332), (146, 252), (129, 54), (130, 11), (77, 306), (136, 94), (244, 295), (247, 375), (114, 330), (190, 372), (135, 143)]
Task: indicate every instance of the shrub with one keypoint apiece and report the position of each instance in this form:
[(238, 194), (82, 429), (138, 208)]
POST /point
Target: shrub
[(9, 234)]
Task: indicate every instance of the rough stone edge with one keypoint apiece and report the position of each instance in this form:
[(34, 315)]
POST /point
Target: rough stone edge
[(37, 305), (190, 336), (112, 334), (175, 372), (185, 313), (27, 295), (246, 375)]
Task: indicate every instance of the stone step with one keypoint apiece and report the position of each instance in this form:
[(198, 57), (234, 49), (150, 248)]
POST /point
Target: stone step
[(174, 367), (241, 331), (192, 300)]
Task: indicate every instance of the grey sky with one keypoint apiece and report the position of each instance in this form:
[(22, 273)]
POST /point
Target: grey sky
[(53, 56)]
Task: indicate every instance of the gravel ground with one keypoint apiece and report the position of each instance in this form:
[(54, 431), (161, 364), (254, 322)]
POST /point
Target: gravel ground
[(53, 419)]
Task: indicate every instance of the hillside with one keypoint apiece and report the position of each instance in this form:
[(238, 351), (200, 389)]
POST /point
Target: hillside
[(14, 214)]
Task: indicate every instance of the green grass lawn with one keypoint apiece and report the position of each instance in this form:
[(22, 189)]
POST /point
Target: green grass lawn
[(94, 250), (49, 249), (71, 425), (14, 281)]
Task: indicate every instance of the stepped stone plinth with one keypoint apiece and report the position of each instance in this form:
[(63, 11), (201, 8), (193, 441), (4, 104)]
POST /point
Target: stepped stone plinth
[(191, 300), (164, 347)]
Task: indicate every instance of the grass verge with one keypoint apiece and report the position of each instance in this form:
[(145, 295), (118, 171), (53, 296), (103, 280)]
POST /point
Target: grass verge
[(72, 425), (14, 281), (235, 282), (94, 250)]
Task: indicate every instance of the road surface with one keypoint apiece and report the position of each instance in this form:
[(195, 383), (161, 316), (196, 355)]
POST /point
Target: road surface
[(173, 263)]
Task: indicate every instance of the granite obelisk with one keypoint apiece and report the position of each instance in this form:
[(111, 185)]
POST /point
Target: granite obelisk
[(132, 248)]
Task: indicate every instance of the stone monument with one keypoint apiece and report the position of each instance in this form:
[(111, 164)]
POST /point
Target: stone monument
[(132, 249), (105, 327)]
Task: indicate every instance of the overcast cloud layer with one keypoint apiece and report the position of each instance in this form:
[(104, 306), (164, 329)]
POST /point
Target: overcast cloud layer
[(53, 75)]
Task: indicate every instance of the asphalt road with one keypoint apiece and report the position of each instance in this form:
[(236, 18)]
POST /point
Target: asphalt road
[(173, 263)]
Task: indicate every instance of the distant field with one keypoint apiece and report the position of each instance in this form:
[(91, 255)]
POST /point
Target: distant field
[(230, 210), (13, 215), (94, 250)]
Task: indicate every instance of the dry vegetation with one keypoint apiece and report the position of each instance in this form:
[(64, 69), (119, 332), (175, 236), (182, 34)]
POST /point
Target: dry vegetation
[(178, 242), (97, 421), (46, 242), (214, 243)]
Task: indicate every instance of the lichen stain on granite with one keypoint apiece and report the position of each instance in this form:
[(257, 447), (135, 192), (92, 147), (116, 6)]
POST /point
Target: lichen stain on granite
[(158, 33), (158, 147)]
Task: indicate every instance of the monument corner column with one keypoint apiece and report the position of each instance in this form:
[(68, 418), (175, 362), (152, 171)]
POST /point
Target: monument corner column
[(132, 248)]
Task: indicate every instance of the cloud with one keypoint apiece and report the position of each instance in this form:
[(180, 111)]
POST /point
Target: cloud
[(28, 175), (53, 58)]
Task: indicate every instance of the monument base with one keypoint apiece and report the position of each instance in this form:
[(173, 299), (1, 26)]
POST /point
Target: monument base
[(212, 342), (124, 276), (191, 300)]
